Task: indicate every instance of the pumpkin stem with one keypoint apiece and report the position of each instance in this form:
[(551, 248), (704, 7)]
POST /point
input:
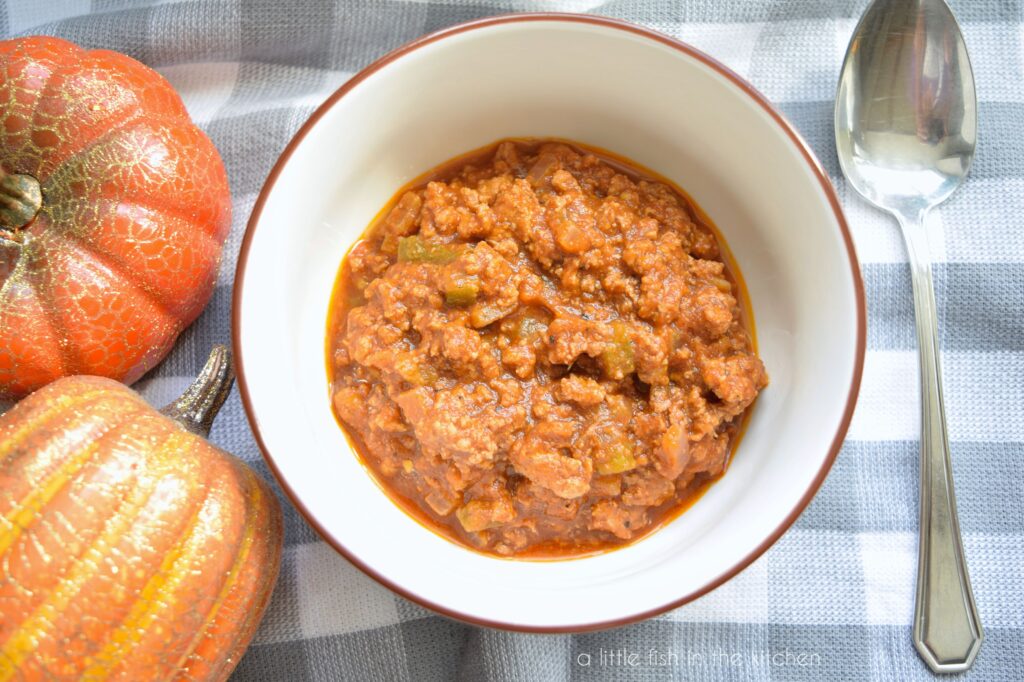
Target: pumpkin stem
[(198, 405), (21, 199)]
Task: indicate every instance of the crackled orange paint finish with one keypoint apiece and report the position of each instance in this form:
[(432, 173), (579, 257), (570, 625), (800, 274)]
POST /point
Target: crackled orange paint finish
[(131, 548), (123, 254)]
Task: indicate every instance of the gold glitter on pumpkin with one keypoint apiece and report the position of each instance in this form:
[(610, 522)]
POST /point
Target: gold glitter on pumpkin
[(132, 548), (123, 252)]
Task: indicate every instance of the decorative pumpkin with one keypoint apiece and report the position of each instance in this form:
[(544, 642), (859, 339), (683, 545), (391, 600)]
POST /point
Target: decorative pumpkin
[(113, 211), (130, 547)]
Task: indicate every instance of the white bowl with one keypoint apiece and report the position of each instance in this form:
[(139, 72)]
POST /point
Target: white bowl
[(626, 89)]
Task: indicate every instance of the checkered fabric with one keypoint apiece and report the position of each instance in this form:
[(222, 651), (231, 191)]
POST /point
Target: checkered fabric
[(833, 599)]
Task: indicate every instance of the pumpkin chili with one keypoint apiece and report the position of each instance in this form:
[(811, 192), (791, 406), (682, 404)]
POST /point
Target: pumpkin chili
[(540, 351)]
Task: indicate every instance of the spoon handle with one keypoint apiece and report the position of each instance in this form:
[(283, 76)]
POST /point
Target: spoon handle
[(947, 629)]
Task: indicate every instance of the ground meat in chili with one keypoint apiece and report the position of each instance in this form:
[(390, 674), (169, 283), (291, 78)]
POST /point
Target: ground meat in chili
[(541, 350)]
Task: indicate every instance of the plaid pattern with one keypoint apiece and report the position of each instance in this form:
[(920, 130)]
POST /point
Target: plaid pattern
[(833, 599)]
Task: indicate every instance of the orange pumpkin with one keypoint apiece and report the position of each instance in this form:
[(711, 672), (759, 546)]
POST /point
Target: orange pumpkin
[(113, 211), (130, 547)]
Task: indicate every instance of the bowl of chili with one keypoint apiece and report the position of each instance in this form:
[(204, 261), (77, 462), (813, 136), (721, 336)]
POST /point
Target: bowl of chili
[(603, 99)]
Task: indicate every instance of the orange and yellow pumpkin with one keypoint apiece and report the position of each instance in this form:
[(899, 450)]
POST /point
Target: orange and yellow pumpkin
[(114, 208), (130, 547)]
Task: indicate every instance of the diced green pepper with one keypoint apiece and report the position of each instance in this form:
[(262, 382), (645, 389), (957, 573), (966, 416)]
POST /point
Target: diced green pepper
[(416, 250), (410, 249), (617, 359), (616, 458), (462, 292), (478, 515), (484, 314), (416, 373), (355, 295), (428, 375)]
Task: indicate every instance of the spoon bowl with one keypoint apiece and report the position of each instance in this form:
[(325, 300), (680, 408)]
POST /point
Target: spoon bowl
[(906, 112), (906, 128)]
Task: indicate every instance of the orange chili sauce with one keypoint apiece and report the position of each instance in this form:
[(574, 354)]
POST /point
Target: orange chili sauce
[(552, 550)]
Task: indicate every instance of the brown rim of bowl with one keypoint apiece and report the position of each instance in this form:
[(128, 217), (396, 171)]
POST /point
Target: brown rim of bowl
[(722, 70)]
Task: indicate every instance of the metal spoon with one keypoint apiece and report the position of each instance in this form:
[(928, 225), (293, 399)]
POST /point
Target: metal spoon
[(906, 126)]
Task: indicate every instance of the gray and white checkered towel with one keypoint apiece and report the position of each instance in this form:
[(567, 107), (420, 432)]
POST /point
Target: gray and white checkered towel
[(833, 599)]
